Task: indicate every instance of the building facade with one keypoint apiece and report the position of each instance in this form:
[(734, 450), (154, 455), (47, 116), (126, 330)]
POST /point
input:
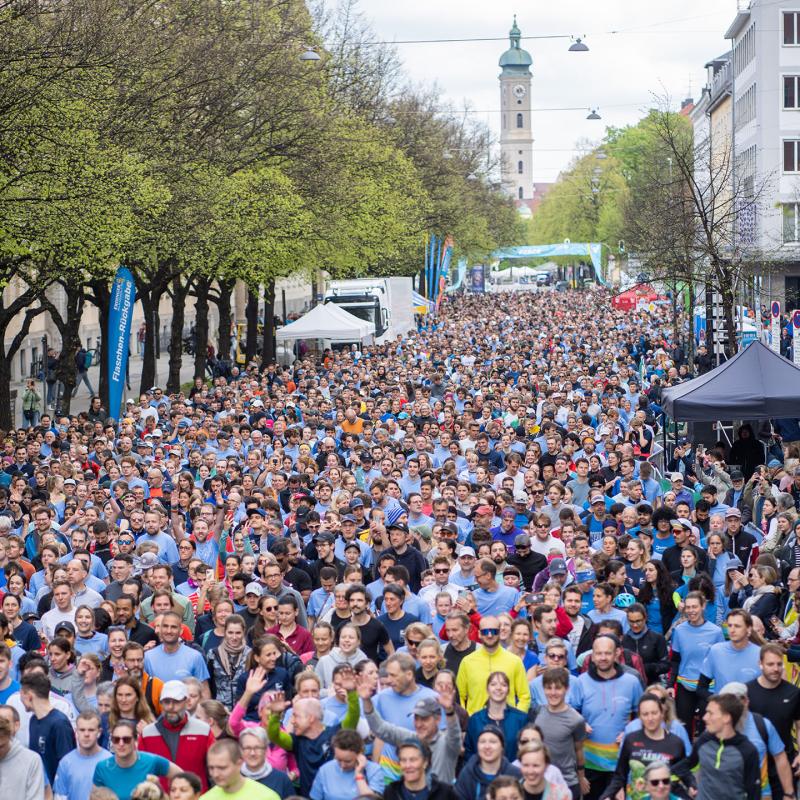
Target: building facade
[(516, 126), (765, 129)]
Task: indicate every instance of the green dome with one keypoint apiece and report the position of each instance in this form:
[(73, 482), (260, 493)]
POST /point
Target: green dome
[(515, 59)]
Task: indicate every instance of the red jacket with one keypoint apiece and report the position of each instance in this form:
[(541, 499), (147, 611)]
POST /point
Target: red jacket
[(185, 744)]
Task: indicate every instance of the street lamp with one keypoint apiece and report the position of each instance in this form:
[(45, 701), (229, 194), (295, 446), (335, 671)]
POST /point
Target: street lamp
[(309, 55), (578, 46), (593, 114)]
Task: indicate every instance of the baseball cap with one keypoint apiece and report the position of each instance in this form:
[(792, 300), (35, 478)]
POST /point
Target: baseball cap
[(352, 546), (466, 551), (733, 563), (356, 502), (597, 497), (349, 518), (737, 475), (736, 688), (733, 512), (426, 707), (558, 567), (174, 690), (254, 588), (397, 526), (676, 476), (520, 497), (325, 537), (484, 510), (144, 562), (522, 540), (65, 626)]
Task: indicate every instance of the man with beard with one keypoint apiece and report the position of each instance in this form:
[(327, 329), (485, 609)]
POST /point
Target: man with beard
[(176, 736), (136, 629)]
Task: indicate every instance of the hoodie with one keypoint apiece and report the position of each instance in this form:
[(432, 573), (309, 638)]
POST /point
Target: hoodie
[(472, 783), (327, 664), (21, 773)]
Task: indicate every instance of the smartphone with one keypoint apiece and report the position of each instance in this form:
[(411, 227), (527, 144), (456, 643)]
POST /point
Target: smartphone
[(537, 599), (463, 595)]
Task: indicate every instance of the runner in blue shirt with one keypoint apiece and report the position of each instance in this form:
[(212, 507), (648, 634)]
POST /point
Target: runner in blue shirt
[(76, 770), (738, 659), (690, 643)]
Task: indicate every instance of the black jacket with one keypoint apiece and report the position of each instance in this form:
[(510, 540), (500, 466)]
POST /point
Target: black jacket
[(742, 544), (652, 649), (766, 606), (671, 558), (529, 567)]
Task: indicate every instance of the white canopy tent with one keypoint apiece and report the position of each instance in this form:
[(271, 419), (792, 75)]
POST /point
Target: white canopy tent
[(329, 322)]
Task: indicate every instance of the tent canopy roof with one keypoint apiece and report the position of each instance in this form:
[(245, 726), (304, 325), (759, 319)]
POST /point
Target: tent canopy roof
[(327, 321), (756, 383)]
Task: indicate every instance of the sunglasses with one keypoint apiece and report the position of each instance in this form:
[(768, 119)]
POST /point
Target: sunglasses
[(122, 739), (659, 781), (490, 631), (441, 571), (271, 608), (124, 541), (413, 642)]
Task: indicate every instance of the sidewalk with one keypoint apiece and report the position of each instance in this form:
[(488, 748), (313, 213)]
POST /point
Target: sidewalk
[(81, 401)]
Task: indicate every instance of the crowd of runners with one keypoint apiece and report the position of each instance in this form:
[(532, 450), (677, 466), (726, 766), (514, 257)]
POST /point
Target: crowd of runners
[(456, 566)]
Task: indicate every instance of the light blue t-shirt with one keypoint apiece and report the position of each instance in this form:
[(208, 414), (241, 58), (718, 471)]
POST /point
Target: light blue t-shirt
[(96, 643), (123, 780), (724, 663), (490, 603), (613, 613), (397, 709), (75, 773), (692, 642), (167, 549), (607, 705), (184, 663), (333, 783), (538, 697)]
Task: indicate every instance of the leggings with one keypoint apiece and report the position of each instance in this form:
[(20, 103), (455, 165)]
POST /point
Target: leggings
[(686, 705)]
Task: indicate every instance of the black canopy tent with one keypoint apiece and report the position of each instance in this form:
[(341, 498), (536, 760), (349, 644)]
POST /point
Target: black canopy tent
[(756, 383)]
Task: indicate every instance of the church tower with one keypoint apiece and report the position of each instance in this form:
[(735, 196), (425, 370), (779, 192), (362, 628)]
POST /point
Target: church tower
[(516, 138)]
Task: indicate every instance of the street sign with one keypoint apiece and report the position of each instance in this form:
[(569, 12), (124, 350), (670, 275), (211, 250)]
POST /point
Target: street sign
[(775, 327), (796, 337)]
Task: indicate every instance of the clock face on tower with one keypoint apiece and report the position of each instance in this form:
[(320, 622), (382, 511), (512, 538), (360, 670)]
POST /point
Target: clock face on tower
[(519, 91)]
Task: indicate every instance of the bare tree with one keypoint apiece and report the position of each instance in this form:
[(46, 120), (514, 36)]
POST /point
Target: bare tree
[(691, 214)]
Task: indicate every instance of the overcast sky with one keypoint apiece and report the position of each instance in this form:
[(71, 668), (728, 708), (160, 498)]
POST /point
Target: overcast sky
[(659, 49)]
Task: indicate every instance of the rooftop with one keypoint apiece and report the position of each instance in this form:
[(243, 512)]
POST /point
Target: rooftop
[(515, 60)]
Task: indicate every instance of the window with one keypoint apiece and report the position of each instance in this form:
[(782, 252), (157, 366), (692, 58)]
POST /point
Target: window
[(745, 50), (519, 192), (519, 120), (791, 218), (791, 91), (790, 153), (791, 28), (746, 107), (520, 167)]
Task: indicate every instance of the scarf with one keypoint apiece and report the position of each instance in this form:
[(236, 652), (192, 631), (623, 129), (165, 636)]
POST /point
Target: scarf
[(230, 657), (257, 774), (753, 599)]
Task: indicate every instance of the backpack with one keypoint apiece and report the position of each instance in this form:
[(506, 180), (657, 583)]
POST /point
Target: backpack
[(87, 360)]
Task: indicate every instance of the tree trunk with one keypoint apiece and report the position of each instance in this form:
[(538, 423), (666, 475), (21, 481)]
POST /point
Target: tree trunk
[(202, 285), (7, 422), (251, 315), (149, 304), (268, 345), (422, 287), (179, 291), (71, 341), (23, 304), (224, 305), (100, 296)]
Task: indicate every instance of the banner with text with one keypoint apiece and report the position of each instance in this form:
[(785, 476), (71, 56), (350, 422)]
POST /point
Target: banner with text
[(120, 318)]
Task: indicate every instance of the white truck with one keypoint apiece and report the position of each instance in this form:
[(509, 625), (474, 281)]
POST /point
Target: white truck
[(386, 302)]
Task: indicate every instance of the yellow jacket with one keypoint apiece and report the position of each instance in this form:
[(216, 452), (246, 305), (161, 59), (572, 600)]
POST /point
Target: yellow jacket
[(474, 673)]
